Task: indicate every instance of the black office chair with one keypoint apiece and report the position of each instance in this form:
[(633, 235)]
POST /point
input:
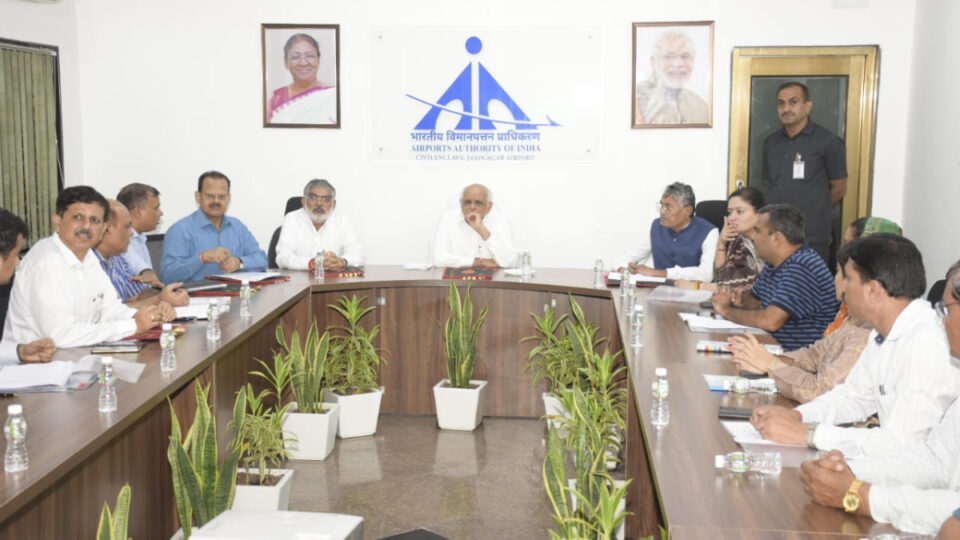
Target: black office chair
[(5, 302), (293, 203), (155, 248), (712, 211), (936, 291)]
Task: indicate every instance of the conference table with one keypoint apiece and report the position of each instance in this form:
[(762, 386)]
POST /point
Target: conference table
[(80, 458)]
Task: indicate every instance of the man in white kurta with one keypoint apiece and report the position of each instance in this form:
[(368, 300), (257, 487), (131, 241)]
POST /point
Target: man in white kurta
[(61, 291), (318, 227), (473, 235)]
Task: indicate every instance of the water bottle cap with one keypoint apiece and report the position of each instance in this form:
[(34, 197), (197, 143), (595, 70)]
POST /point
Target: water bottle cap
[(718, 461), (213, 301), (106, 360), (660, 372), (245, 282), (638, 308), (15, 408), (167, 327)]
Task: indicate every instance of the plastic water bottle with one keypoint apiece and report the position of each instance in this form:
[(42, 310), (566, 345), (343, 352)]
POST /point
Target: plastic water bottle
[(168, 342), (526, 265), (108, 392), (660, 410), (15, 431), (624, 282), (629, 302), (245, 294), (636, 329), (740, 462), (213, 321), (318, 266), (598, 273)]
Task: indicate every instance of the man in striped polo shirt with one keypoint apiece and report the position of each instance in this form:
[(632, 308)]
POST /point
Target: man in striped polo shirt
[(794, 297)]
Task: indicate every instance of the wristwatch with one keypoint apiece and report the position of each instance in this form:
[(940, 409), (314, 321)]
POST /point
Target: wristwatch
[(851, 499), (241, 263), (811, 432)]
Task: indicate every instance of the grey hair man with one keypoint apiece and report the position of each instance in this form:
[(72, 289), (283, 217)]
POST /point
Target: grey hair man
[(474, 235), (318, 227), (663, 98)]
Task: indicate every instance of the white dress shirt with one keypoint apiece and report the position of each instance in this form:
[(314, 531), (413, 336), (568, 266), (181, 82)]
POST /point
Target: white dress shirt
[(917, 489), (457, 244), (909, 380), (701, 272), (8, 352), (137, 254), (300, 240), (72, 301)]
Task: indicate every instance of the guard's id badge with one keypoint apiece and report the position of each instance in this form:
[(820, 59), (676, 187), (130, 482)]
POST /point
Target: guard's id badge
[(798, 168)]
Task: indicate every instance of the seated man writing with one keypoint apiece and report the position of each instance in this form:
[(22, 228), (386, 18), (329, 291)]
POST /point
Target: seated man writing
[(917, 488), (904, 375), (318, 227), (110, 250), (208, 242), (472, 235), (62, 291), (12, 232), (794, 297), (682, 245)]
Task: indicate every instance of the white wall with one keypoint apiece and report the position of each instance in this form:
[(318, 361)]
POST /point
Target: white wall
[(53, 24), (173, 88), (933, 151)]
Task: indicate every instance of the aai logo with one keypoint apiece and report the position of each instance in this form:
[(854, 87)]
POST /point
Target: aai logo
[(475, 113)]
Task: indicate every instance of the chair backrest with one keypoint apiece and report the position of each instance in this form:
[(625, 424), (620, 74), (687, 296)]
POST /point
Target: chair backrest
[(712, 211), (155, 248), (293, 203), (936, 291), (272, 249)]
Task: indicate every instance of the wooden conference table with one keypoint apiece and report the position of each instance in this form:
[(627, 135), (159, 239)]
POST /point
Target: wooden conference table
[(80, 458)]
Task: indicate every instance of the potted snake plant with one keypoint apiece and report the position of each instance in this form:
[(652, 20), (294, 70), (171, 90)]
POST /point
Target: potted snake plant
[(460, 398), (263, 484)]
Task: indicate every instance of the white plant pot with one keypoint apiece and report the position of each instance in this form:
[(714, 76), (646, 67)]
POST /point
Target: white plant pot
[(552, 406), (619, 533), (245, 525), (358, 412), (275, 497), (315, 434), (459, 408)]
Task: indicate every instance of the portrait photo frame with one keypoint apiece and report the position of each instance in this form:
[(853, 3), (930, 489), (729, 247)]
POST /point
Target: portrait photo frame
[(672, 83), (301, 75)]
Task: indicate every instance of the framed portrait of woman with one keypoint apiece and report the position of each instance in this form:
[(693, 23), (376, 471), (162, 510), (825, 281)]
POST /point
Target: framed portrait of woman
[(301, 75), (672, 74)]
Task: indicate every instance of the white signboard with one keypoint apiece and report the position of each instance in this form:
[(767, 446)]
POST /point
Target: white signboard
[(486, 94)]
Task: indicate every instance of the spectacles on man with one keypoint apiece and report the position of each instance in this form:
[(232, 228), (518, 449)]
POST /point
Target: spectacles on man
[(326, 199), (668, 207), (80, 219), (941, 308), (215, 196)]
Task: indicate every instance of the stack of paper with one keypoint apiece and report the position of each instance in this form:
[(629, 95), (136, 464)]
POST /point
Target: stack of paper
[(614, 277), (19, 377), (724, 383), (699, 323), (666, 293)]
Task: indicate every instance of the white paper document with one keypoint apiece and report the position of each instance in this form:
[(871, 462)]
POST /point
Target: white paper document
[(745, 433), (666, 293), (699, 323), (614, 277), (724, 383), (249, 276), (417, 266), (20, 376)]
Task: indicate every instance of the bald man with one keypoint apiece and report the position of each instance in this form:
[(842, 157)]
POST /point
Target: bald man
[(109, 251), (472, 235)]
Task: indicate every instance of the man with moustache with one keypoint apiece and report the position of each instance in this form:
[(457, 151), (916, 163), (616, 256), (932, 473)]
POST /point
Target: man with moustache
[(805, 165), (316, 228), (208, 242), (663, 99), (12, 232), (472, 236), (110, 250), (61, 290), (143, 203)]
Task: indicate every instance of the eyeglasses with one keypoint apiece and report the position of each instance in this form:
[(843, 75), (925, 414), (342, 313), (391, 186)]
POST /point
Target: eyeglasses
[(474, 202), (309, 58), (941, 308), (80, 219), (216, 196), (668, 207), (326, 199)]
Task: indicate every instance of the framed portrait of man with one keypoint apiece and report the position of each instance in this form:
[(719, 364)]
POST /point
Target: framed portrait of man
[(672, 74), (301, 75)]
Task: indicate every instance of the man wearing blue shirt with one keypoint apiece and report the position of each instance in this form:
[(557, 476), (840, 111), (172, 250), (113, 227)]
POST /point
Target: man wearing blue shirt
[(794, 297), (207, 242), (143, 203)]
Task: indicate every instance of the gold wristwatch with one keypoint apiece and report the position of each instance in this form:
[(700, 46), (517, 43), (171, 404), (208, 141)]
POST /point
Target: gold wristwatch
[(851, 499)]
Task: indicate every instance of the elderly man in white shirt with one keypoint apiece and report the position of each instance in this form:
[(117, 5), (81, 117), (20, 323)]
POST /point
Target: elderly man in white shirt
[(916, 489), (905, 374), (315, 228), (62, 291), (472, 235)]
